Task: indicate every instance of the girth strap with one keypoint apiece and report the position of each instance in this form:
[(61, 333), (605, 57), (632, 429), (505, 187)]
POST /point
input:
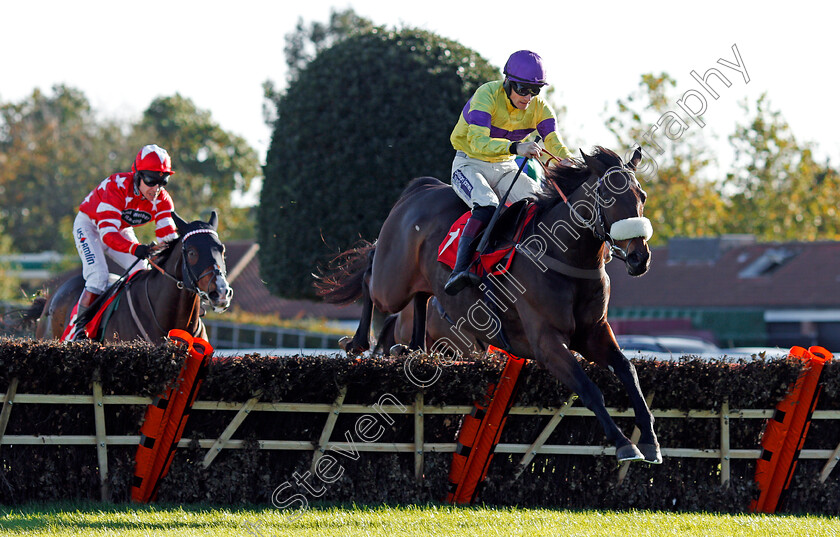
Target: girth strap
[(134, 316)]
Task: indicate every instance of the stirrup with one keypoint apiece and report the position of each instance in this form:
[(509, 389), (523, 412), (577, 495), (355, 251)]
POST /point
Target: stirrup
[(80, 334), (459, 280)]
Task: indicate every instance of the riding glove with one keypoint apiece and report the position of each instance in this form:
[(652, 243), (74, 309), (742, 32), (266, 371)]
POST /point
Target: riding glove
[(142, 251), (525, 149)]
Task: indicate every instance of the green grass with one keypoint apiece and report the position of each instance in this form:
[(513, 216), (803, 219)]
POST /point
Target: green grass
[(191, 521)]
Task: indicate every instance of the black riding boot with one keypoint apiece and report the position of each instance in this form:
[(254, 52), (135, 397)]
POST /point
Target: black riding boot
[(461, 275), (81, 322), (85, 302)]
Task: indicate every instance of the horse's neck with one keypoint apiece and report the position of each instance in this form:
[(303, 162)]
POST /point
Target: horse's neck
[(567, 236), (174, 307)]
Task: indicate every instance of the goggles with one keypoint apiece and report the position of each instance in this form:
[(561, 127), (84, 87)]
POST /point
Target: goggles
[(524, 89), (154, 178)]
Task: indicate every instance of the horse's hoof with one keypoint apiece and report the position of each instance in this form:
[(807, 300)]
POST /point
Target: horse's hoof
[(651, 453), (348, 345), (628, 453), (399, 350)]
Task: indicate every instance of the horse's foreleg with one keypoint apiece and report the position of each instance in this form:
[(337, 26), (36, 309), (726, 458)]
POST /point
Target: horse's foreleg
[(418, 331), (603, 350), (559, 360), (626, 373)]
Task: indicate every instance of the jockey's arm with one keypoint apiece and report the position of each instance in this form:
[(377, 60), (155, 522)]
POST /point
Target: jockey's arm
[(165, 228), (547, 128)]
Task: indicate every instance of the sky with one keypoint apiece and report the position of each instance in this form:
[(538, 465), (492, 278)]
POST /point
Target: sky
[(122, 55)]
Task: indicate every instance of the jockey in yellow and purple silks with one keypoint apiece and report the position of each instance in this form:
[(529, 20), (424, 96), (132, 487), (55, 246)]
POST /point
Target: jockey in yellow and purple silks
[(487, 138)]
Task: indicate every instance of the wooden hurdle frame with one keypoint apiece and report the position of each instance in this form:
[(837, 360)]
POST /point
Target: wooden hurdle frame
[(419, 447)]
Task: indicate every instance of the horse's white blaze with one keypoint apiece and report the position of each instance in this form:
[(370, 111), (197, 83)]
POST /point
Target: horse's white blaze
[(630, 228)]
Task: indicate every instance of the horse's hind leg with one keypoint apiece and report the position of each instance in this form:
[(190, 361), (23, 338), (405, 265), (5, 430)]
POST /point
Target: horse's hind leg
[(360, 342), (418, 331)]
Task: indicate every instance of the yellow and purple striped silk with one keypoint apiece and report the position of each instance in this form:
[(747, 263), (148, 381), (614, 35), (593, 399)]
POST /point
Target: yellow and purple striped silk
[(489, 124)]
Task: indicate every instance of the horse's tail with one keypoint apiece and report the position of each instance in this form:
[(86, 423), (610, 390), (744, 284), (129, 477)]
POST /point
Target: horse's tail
[(22, 320), (33, 312), (342, 284)]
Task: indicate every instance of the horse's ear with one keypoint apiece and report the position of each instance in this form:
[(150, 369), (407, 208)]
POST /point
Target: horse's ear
[(636, 159), (214, 220), (180, 223), (593, 164)]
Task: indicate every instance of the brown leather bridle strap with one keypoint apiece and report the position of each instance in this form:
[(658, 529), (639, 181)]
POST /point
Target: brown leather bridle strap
[(545, 169), (163, 271)]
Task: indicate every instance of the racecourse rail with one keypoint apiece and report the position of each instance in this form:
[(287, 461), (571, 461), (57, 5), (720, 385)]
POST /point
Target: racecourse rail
[(240, 411)]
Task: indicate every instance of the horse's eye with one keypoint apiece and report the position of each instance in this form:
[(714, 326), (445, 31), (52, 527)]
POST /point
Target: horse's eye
[(192, 256)]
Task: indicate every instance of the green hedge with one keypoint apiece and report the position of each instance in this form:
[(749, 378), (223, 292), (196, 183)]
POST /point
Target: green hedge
[(249, 476)]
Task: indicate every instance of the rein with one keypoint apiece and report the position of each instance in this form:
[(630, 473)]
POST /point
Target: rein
[(178, 283)]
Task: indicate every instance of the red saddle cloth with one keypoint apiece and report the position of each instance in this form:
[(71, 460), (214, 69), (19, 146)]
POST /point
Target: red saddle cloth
[(92, 328), (493, 262)]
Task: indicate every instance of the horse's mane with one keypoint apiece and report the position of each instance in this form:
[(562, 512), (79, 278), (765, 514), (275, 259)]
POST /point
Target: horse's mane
[(569, 179), (418, 183), (163, 256)]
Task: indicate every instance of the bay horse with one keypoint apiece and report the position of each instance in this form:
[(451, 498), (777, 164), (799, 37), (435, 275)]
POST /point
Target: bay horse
[(192, 272), (396, 332), (553, 299)]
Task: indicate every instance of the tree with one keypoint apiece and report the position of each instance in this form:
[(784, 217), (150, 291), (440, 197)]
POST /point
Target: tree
[(209, 163), (779, 191), (53, 151), (362, 119), (306, 42), (9, 284), (681, 201)]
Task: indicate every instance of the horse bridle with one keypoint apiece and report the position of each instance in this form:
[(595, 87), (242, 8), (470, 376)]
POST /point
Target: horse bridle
[(192, 280), (603, 235)]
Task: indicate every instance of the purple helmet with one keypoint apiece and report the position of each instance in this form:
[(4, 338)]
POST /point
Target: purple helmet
[(525, 66)]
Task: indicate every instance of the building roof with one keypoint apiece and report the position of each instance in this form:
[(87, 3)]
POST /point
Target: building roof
[(250, 293), (732, 272)]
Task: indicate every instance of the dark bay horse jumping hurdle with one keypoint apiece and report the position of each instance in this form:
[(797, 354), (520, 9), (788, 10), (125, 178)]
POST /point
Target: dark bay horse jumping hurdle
[(553, 299), (155, 302)]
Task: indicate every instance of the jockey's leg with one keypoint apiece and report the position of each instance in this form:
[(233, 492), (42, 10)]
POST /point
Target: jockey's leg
[(94, 266), (461, 276), (472, 180), (524, 187), (85, 302)]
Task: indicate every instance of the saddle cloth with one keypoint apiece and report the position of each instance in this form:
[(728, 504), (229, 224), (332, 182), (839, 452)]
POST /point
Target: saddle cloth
[(93, 326), (499, 256)]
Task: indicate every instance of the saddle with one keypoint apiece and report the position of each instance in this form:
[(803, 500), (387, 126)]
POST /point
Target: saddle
[(99, 312), (497, 257)]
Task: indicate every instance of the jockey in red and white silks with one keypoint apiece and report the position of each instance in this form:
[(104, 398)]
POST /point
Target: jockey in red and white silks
[(108, 215)]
